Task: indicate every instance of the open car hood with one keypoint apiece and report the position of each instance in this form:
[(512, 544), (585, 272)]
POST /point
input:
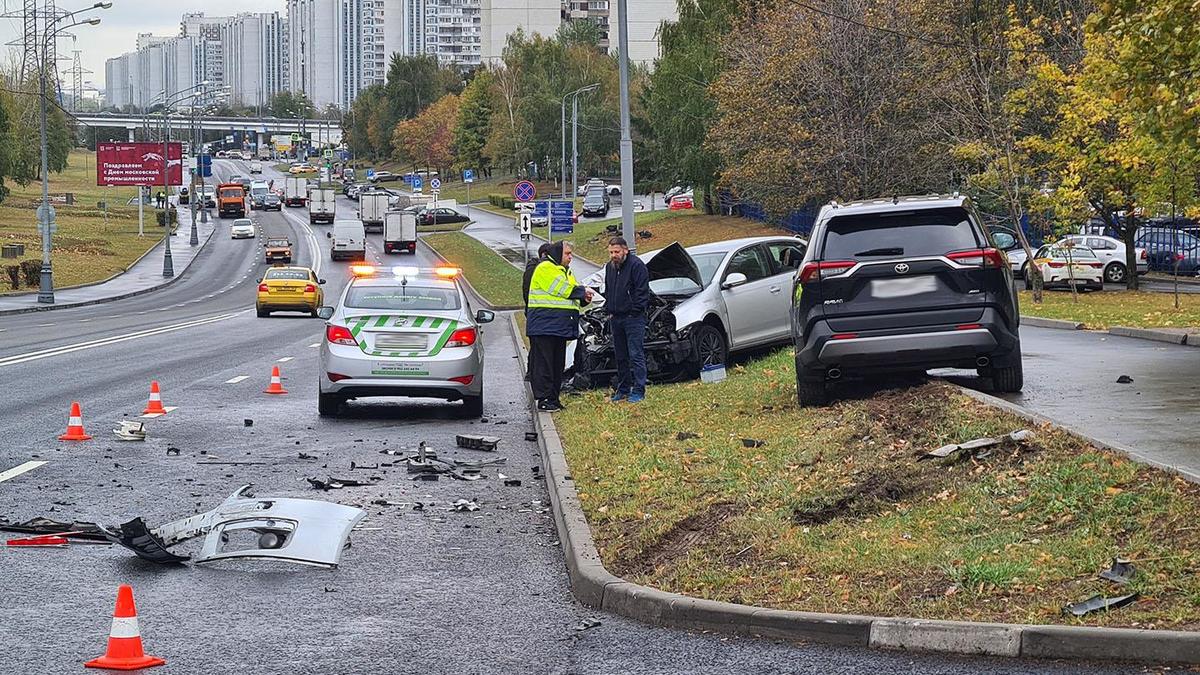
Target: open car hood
[(673, 262)]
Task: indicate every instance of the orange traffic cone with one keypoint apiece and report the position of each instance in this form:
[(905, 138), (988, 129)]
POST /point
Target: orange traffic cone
[(276, 385), (124, 640), (155, 405), (75, 430)]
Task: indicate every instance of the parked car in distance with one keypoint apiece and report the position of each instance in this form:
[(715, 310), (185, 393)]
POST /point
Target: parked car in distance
[(441, 214), (1062, 264), (681, 203), (1165, 247), (302, 167), (904, 284), (1111, 252), (596, 203), (678, 189), (384, 177)]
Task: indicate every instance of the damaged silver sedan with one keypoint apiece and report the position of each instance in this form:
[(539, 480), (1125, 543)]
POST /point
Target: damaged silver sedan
[(706, 302), (302, 531)]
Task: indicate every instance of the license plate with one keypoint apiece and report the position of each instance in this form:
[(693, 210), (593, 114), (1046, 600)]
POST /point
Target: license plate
[(900, 288), (401, 341), (399, 369)]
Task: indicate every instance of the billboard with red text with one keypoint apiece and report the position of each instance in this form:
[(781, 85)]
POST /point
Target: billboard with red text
[(138, 163)]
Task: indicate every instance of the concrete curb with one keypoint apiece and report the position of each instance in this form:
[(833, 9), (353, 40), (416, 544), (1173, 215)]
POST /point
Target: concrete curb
[(113, 298), (466, 282), (595, 586), (1177, 336)]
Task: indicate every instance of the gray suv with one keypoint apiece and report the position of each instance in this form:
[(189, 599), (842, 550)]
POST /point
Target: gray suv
[(903, 284)]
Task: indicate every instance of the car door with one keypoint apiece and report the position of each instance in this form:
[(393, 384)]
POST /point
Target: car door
[(785, 258), (749, 305), (1105, 250)]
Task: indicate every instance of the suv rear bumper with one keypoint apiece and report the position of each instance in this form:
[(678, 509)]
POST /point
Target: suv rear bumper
[(927, 347)]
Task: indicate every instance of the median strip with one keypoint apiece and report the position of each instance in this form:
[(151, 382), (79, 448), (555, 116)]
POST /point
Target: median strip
[(494, 279)]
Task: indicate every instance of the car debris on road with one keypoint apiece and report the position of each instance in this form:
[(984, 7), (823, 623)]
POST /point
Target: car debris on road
[(302, 531), (477, 442), (130, 431)]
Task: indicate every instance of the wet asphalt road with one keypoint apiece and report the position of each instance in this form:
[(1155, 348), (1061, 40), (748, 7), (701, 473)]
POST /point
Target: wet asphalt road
[(428, 591)]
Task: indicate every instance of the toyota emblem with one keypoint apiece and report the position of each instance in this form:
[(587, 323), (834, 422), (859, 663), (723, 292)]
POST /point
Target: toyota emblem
[(902, 268)]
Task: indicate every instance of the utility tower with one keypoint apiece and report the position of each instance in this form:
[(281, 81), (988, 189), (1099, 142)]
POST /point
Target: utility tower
[(29, 38), (77, 73)]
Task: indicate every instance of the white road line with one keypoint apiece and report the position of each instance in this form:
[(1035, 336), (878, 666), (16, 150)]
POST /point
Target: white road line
[(285, 359), (18, 470), (67, 349), (44, 325), (315, 344), (84, 320), (168, 408), (235, 380)]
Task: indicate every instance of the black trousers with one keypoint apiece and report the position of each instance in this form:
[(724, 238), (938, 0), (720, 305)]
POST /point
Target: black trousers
[(547, 360)]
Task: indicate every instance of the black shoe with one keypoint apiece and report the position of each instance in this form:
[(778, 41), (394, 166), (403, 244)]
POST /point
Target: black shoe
[(546, 405)]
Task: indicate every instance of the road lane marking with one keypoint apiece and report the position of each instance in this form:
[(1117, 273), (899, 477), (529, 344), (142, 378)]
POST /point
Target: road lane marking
[(18, 470), (67, 349), (315, 344), (84, 320), (285, 359), (44, 325), (235, 380)]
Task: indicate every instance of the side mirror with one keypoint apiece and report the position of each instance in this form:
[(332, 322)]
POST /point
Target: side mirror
[(325, 312), (485, 316), (259, 281), (735, 279), (1004, 241), (321, 281), (329, 235)]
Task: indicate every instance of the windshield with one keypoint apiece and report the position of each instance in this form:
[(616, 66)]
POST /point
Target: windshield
[(1075, 252), (242, 223), (278, 242), (904, 234), (235, 193), (403, 298), (299, 275)]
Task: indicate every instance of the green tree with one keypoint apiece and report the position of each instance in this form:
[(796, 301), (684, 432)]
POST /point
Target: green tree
[(580, 33), (291, 104), (474, 122)]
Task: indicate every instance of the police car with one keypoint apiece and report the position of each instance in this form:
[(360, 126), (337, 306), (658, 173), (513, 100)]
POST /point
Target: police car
[(402, 331)]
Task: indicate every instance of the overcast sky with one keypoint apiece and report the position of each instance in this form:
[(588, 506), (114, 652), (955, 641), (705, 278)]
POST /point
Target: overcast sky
[(120, 25)]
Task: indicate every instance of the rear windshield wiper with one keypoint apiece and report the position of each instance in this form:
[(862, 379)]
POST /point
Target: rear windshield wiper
[(895, 250)]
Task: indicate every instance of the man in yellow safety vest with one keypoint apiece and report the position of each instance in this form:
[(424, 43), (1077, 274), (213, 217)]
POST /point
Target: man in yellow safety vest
[(552, 321)]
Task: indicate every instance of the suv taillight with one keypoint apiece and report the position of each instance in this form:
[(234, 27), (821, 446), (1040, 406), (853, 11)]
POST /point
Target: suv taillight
[(980, 257), (340, 335), (825, 270), (1143, 254), (463, 337)]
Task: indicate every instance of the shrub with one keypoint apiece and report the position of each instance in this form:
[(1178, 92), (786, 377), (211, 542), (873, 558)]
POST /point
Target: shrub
[(32, 271), (14, 276), (495, 199)]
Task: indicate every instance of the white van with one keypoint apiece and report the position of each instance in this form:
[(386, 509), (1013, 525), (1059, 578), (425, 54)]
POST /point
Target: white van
[(255, 167), (349, 240)]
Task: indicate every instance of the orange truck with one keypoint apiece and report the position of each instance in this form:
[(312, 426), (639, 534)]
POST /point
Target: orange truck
[(231, 200)]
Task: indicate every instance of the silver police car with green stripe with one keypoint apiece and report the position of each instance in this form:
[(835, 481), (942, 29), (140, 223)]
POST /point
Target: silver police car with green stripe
[(402, 331)]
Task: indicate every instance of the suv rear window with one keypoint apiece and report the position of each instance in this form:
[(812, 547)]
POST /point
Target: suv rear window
[(899, 234)]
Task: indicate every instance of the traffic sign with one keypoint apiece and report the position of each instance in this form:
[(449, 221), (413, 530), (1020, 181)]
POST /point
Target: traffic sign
[(525, 191), (525, 220), (417, 183), (327, 153), (468, 176), (295, 137), (562, 216), (370, 174), (435, 184)]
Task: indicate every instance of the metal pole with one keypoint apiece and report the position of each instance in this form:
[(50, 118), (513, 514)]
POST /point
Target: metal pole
[(141, 211), (45, 211), (574, 147), (562, 168), (168, 266), (195, 238), (626, 137)]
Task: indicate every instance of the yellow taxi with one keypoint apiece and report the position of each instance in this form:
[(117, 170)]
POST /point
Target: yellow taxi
[(294, 289)]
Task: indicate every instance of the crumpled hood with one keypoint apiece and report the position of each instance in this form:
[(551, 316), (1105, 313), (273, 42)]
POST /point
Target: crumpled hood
[(673, 262)]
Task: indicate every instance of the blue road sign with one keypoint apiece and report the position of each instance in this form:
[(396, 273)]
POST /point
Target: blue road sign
[(435, 184), (468, 176), (524, 191), (370, 174), (540, 209), (206, 166), (562, 216), (417, 183)]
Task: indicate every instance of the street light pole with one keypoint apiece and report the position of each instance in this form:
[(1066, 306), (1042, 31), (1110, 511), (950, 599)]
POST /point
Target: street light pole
[(45, 211), (168, 265), (626, 137)]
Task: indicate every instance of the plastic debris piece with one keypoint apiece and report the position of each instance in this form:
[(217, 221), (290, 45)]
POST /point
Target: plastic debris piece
[(477, 442), (585, 624), (970, 447), (513, 482), (1121, 572), (130, 431), (44, 541), (305, 455), (1098, 603), (531, 436), (172, 451), (1124, 379), (685, 435), (465, 505), (753, 443), (248, 422)]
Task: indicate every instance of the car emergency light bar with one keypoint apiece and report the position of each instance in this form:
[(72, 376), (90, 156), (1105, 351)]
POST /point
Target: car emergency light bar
[(442, 272)]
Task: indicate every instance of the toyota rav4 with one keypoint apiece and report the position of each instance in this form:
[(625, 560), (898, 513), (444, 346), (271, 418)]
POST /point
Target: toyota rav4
[(903, 284)]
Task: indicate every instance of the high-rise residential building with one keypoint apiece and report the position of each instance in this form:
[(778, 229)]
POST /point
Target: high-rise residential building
[(325, 43), (501, 18), (206, 30), (252, 47), (452, 31), (645, 17), (410, 16), (119, 80), (595, 11)]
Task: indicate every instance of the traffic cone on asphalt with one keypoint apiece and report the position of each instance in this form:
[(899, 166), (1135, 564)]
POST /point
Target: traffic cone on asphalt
[(75, 430), (124, 640), (155, 405), (276, 385)]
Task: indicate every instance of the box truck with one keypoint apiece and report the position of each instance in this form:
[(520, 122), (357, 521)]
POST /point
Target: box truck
[(295, 191), (399, 232), (371, 209), (321, 205)]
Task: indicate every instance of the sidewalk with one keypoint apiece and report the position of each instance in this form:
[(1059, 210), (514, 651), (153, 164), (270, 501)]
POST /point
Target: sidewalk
[(143, 276)]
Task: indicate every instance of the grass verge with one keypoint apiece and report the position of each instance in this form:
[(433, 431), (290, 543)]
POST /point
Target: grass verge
[(1116, 308), (687, 227), (833, 513), (88, 246), (490, 275), (442, 227)]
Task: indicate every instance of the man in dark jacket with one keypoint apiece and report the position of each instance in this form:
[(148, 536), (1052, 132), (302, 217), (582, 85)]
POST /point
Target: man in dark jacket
[(626, 296), (552, 321)]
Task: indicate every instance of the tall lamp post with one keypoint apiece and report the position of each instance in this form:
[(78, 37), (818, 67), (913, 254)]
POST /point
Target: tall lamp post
[(626, 136), (574, 95), (45, 211), (168, 101)]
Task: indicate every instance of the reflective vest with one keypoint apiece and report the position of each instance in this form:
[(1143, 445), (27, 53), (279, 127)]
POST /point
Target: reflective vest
[(551, 288)]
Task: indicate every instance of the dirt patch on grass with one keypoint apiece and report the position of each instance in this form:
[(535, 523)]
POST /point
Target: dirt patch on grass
[(864, 497), (681, 538)]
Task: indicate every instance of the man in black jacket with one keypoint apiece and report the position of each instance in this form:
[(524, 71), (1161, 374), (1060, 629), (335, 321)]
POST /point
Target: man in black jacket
[(626, 297)]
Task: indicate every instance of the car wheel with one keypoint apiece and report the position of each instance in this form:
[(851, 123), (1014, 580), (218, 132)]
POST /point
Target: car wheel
[(811, 388), (328, 404), (1010, 379), (262, 312), (1114, 273), (473, 406), (709, 346)]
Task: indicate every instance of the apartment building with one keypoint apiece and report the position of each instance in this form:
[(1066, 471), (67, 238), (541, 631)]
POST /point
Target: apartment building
[(253, 54)]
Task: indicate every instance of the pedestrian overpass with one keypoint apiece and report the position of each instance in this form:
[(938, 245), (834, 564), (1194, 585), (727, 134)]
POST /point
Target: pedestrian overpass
[(320, 131)]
